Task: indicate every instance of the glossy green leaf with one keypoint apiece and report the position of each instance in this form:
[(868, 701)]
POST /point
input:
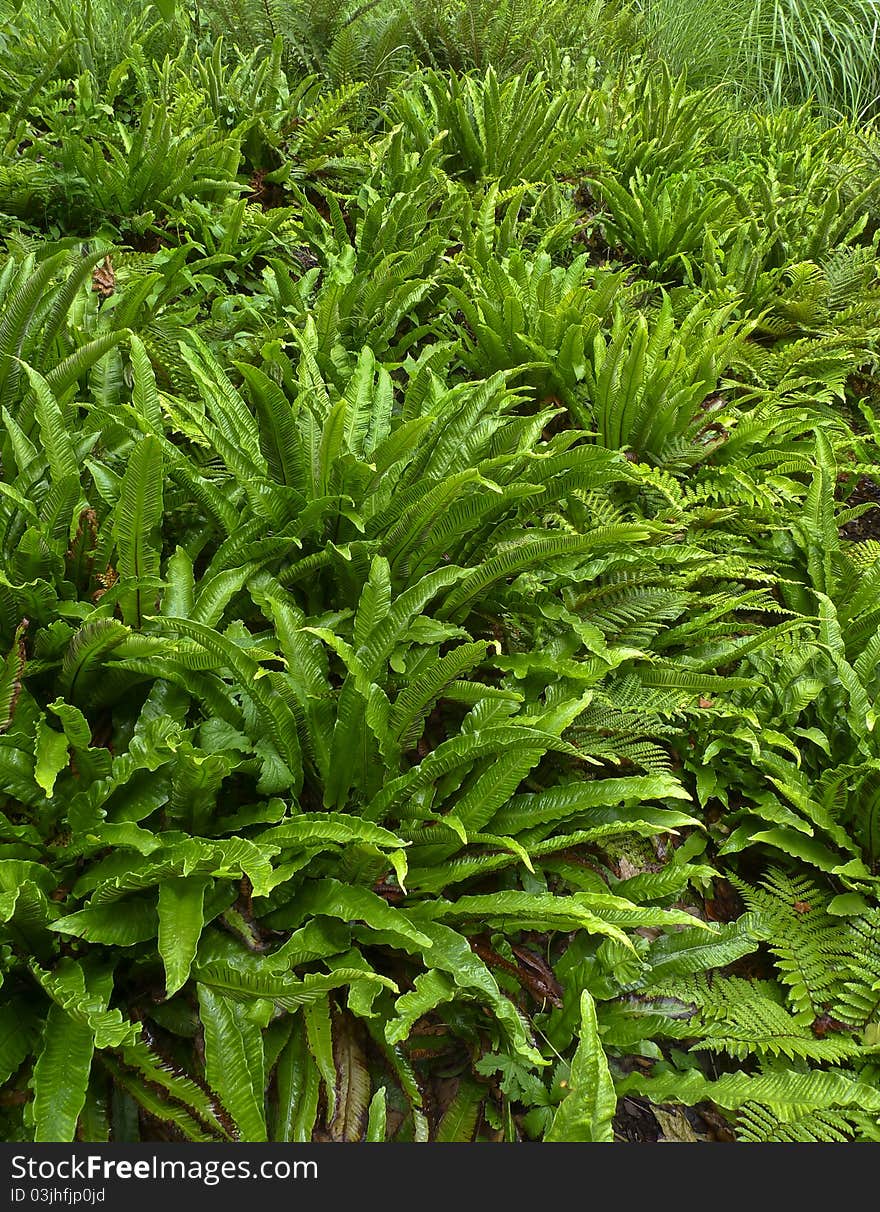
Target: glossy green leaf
[(586, 1111)]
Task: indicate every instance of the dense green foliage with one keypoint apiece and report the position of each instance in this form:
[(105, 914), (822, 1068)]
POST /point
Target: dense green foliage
[(439, 579), (787, 50)]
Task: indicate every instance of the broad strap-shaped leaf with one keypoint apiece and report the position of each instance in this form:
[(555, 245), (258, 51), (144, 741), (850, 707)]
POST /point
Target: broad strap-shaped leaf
[(136, 521), (318, 1020), (122, 924), (282, 988), (77, 1022), (83, 991), (61, 1076), (17, 1031), (573, 799), (530, 551), (586, 1112), (50, 756), (353, 1083), (234, 1062), (181, 918), (274, 709), (56, 440), (10, 677), (377, 1118), (144, 395), (297, 1085), (430, 989), (348, 903)]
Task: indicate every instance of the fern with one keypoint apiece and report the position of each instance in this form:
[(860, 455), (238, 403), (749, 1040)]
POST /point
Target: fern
[(438, 581)]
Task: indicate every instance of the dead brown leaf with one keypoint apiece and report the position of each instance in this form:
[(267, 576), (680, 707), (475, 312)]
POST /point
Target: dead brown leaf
[(675, 1126), (104, 279)]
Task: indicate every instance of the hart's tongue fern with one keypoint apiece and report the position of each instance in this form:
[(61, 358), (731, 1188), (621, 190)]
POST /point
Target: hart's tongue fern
[(438, 593)]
